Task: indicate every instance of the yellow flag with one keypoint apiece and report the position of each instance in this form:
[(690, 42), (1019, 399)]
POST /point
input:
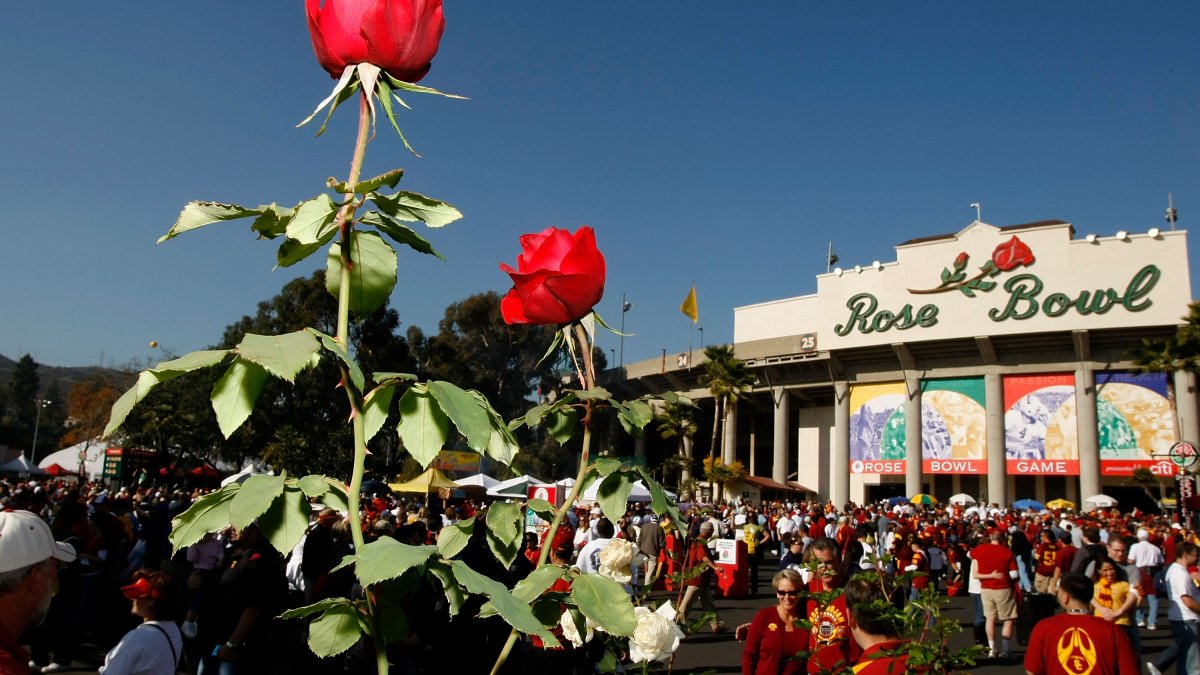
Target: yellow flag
[(689, 306)]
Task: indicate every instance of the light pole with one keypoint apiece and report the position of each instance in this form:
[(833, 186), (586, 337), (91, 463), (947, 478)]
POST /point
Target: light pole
[(701, 329), (37, 422), (625, 307)]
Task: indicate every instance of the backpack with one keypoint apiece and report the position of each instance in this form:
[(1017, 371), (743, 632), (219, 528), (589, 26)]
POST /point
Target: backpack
[(1160, 583)]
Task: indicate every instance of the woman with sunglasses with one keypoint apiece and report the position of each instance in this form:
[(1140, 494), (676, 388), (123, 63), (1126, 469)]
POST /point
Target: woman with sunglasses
[(773, 638)]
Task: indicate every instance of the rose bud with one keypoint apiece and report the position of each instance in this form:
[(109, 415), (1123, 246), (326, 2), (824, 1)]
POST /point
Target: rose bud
[(399, 36), (559, 277)]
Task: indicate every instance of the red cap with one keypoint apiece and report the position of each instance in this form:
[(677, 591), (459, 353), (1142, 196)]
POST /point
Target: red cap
[(139, 589)]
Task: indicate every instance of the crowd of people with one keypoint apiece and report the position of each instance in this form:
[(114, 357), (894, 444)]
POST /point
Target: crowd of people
[(214, 606)]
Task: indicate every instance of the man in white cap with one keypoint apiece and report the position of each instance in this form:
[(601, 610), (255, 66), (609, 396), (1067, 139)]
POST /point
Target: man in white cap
[(29, 559), (1149, 560)]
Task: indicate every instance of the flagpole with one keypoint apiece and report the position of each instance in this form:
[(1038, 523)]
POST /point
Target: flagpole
[(691, 329)]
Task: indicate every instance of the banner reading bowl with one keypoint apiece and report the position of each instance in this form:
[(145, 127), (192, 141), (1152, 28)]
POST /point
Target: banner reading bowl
[(1133, 419), (953, 426), (877, 428), (1039, 425)]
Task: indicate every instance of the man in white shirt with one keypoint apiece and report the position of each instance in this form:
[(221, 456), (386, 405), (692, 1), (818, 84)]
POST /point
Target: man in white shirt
[(1183, 612), (1149, 559), (784, 527), (588, 561)]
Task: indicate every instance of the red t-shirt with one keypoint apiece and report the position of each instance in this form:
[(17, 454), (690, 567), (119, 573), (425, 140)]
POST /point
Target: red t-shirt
[(831, 640), (771, 648), (874, 662), (921, 579), (1073, 644), (1066, 556), (1047, 555), (991, 558), (13, 657)]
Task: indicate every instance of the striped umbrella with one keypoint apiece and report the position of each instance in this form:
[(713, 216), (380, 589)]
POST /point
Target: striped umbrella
[(924, 499)]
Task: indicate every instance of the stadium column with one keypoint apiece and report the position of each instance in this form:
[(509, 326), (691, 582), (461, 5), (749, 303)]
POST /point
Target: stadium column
[(912, 437), (779, 441), (997, 468), (1186, 406), (729, 442), (1089, 447), (839, 483)]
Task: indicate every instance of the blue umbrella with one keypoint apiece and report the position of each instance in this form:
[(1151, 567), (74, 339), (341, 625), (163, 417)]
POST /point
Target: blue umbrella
[(899, 499), (1028, 505)]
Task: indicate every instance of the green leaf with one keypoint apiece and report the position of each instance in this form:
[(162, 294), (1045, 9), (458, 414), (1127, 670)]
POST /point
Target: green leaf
[(659, 502), (400, 233), (148, 379), (554, 345), (544, 509), (534, 416), (376, 407), (234, 394), (604, 601), (639, 413), (284, 356), (562, 424), (285, 522), (453, 539), (502, 446), (593, 394), (291, 252), (313, 485), (423, 427), (382, 377), (613, 494), (385, 99), (416, 88), (516, 613), (336, 497), (454, 594), (465, 411), (319, 606), (273, 220), (372, 272), (388, 180), (198, 214), (334, 632), (387, 558), (256, 496), (413, 207), (504, 531), (607, 465), (210, 513), (528, 589), (313, 221), (330, 343)]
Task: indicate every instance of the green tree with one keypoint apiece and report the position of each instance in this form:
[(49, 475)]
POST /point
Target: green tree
[(727, 379), (23, 404), (1168, 356), (678, 420)]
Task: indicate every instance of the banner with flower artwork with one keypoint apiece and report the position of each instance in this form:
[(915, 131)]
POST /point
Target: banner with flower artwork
[(877, 428), (953, 426), (1040, 436), (1133, 423)]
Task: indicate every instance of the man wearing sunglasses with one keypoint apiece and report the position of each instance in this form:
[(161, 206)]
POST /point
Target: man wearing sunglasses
[(29, 560)]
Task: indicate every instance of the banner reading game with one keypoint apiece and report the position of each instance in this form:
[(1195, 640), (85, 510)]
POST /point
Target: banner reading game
[(1133, 419), (953, 425), (877, 428), (1039, 425)]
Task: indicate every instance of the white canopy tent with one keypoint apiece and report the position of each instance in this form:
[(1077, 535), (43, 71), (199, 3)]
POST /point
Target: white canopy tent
[(68, 458), (246, 472), (480, 479), (513, 487)]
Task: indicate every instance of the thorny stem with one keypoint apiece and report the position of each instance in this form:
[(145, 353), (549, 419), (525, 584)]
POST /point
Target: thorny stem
[(561, 513), (345, 223)]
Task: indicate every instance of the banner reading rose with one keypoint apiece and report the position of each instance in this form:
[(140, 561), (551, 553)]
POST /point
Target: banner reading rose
[(877, 428)]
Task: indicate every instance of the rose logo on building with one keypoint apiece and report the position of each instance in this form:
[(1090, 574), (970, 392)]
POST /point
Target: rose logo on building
[(1008, 256)]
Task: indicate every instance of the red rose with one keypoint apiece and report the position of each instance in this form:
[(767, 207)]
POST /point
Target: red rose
[(399, 36), (1010, 254), (961, 261), (559, 277)]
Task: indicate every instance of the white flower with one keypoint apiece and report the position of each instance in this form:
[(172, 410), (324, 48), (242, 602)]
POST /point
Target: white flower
[(616, 558), (657, 635), (571, 630)]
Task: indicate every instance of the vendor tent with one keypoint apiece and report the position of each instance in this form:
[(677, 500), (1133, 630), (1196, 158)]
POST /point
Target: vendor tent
[(479, 480), (56, 470), (241, 476), (23, 467), (513, 487), (427, 482)]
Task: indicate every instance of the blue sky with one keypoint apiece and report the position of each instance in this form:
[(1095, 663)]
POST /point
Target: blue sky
[(721, 142)]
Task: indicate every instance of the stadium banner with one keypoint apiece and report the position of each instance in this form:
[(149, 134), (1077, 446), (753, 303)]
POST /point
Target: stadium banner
[(877, 428), (953, 425), (1133, 420), (1040, 430)]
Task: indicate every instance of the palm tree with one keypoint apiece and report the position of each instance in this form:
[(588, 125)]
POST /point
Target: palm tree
[(678, 420), (1166, 355), (728, 379), (1145, 479)]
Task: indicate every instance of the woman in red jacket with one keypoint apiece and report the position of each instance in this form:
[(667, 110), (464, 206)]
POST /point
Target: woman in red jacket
[(774, 639)]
